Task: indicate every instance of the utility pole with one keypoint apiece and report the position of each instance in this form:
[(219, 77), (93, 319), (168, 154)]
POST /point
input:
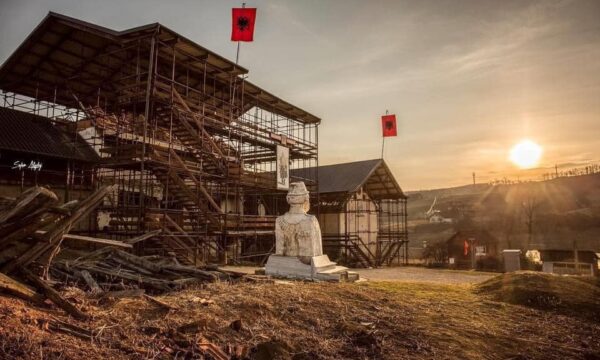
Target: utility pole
[(472, 241), (473, 178)]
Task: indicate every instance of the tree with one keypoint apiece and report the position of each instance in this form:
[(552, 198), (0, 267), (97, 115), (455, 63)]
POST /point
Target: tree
[(436, 252), (530, 207), (509, 222)]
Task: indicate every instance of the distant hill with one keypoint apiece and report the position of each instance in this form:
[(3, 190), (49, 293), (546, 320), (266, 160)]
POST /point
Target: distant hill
[(564, 212)]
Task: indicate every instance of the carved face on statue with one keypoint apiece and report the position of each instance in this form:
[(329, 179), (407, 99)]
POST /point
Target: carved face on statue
[(297, 197)]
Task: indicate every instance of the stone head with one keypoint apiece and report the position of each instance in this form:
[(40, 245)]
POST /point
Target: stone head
[(298, 195)]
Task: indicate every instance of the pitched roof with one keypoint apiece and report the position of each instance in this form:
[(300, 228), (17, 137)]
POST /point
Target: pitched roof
[(481, 235), (33, 134), (61, 47), (373, 175)]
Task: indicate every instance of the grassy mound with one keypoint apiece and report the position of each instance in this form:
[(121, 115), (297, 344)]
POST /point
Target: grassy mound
[(568, 295)]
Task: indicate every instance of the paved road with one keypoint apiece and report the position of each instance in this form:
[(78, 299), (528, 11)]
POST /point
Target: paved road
[(407, 273), (420, 274)]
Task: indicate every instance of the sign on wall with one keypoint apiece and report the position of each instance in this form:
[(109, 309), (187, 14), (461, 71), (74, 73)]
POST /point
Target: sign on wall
[(283, 168)]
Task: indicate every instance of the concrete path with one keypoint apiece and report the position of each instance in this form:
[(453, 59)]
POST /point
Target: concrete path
[(407, 273)]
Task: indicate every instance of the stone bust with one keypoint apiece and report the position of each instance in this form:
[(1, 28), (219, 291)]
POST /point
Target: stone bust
[(296, 232)]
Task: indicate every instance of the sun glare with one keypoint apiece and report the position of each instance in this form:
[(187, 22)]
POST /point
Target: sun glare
[(526, 154)]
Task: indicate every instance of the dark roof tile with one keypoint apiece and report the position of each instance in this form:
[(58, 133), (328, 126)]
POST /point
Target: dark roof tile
[(33, 134), (349, 177)]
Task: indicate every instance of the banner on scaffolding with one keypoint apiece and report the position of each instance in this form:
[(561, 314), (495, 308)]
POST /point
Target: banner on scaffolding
[(283, 168), (242, 26)]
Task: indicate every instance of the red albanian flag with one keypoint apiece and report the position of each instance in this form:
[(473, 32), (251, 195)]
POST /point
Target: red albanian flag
[(388, 125), (242, 25)]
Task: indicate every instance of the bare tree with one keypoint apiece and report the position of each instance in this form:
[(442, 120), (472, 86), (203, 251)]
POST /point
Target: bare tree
[(509, 223), (530, 208), (436, 252)]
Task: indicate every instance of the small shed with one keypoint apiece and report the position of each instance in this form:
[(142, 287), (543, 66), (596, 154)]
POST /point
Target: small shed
[(473, 249), (362, 213)]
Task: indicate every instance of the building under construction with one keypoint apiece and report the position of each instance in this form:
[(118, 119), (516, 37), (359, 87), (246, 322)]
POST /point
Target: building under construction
[(190, 144)]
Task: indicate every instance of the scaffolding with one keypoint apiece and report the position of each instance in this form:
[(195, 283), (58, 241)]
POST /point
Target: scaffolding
[(366, 233), (189, 142)]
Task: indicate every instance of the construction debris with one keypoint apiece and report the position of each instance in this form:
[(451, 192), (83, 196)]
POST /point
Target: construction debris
[(32, 230)]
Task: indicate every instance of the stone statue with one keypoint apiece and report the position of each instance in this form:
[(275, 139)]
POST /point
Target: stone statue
[(298, 244), (296, 232)]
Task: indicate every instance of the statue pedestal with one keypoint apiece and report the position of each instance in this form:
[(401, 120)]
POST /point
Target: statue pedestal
[(320, 268)]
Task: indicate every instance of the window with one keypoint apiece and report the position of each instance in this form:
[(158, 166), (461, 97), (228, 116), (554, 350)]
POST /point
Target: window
[(480, 250)]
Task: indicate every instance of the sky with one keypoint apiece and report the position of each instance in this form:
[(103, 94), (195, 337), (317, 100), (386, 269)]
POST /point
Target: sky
[(466, 79)]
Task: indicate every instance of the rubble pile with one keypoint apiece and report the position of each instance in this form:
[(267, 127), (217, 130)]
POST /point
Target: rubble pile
[(33, 228)]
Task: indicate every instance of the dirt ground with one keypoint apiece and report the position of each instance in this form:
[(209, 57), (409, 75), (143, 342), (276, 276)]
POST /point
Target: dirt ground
[(299, 320), (408, 273)]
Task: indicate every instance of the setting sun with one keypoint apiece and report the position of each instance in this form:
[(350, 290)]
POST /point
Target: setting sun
[(526, 154)]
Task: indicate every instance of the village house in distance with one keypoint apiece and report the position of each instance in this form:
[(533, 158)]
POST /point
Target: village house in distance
[(196, 152)]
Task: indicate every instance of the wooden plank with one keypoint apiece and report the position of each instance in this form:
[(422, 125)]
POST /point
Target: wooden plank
[(18, 289), (95, 240), (193, 271), (54, 296), (143, 237), (89, 280), (138, 261), (31, 200), (158, 284), (159, 302), (212, 350), (52, 239), (131, 266), (28, 228), (70, 329)]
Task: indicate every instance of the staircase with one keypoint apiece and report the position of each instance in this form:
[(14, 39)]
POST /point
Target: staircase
[(188, 249), (188, 127), (390, 244), (185, 186), (358, 250)]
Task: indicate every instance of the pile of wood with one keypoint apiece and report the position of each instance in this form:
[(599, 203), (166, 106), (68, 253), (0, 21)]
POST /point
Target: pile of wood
[(32, 230), (111, 269), (33, 227)]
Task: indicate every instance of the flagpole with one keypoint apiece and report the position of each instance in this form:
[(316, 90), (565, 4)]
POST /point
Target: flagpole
[(237, 55), (383, 141)]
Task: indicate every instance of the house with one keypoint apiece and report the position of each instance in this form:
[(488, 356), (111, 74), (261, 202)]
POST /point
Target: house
[(438, 219), (35, 151), (473, 249), (569, 261), (362, 213)]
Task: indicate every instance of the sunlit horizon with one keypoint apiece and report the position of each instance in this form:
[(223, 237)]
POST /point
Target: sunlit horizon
[(465, 88)]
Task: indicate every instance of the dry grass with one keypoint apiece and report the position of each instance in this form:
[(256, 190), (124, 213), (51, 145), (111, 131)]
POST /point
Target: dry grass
[(570, 295), (382, 320)]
